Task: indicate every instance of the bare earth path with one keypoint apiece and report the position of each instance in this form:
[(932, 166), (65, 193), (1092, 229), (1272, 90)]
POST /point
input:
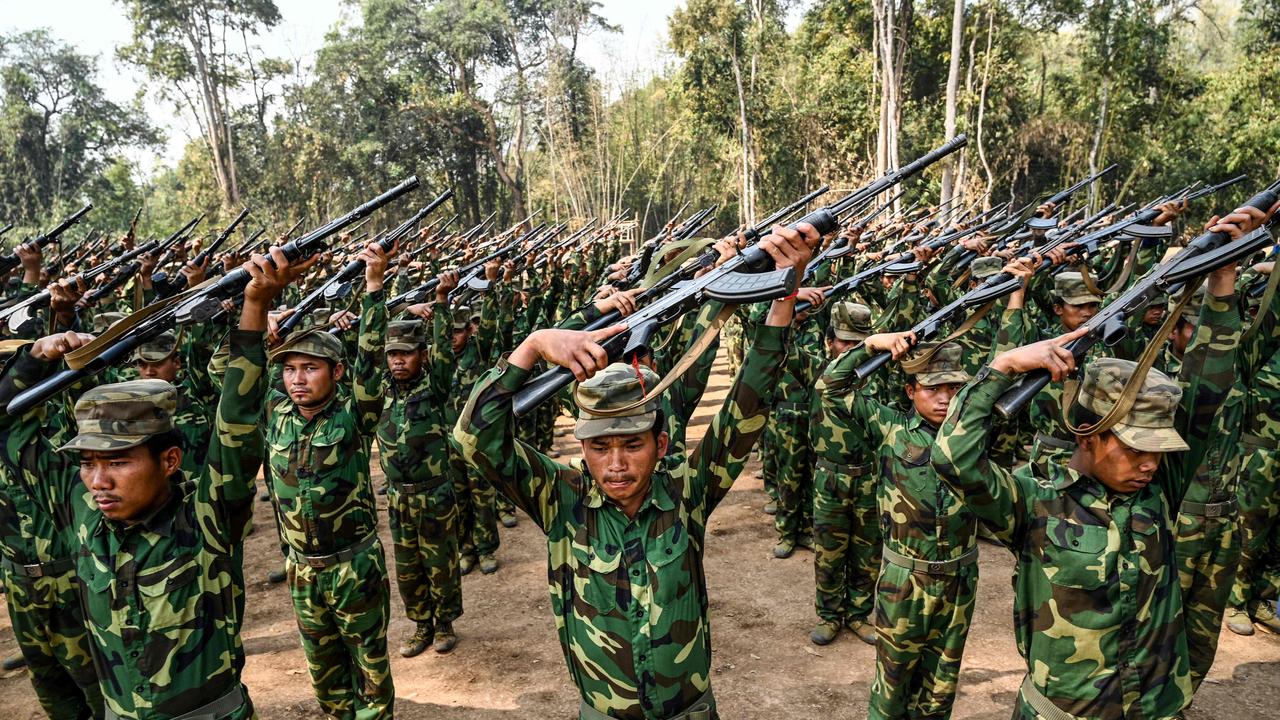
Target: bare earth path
[(508, 666)]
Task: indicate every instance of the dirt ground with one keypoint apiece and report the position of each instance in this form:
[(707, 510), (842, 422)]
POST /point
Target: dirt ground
[(508, 663)]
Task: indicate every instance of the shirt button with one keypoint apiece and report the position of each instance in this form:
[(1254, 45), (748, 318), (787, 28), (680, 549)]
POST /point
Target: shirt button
[(639, 613), (643, 658), (635, 572), (668, 551)]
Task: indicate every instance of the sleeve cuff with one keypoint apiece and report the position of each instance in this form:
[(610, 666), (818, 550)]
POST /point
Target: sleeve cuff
[(510, 377), (989, 384)]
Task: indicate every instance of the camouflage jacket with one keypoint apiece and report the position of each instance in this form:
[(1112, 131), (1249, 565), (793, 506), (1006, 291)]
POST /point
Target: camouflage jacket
[(835, 433), (629, 595), (413, 433), (320, 467), (477, 355), (159, 596), (918, 517), (1098, 607)]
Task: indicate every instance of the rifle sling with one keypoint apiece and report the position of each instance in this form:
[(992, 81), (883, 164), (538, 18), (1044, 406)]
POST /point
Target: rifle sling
[(918, 363), (682, 366), (692, 247), (1071, 388), (1263, 307), (82, 356)]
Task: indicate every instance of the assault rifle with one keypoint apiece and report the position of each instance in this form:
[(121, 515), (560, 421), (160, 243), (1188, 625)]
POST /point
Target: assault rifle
[(746, 277), (11, 261), (165, 287), (1206, 253), (196, 305)]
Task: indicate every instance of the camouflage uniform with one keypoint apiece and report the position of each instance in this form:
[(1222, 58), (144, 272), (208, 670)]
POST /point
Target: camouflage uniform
[(413, 440), (629, 595), (328, 520), (1052, 436), (159, 596), (846, 531), (929, 573), (1097, 609), (476, 497), (195, 398), (38, 489)]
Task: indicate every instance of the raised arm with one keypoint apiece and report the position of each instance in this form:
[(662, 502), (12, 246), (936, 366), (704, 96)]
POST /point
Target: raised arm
[(370, 368)]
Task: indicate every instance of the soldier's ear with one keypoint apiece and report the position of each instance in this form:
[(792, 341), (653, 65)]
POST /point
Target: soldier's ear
[(171, 460), (339, 370)]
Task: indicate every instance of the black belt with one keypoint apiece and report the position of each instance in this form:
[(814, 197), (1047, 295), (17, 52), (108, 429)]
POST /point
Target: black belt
[(1259, 442), (1210, 510), (37, 570), (794, 407), (323, 561), (855, 471), (414, 488), (220, 708)]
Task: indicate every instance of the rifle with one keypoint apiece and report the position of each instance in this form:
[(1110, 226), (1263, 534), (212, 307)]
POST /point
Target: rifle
[(165, 287), (545, 257), (11, 261), (5, 229), (743, 278), (340, 284), (1206, 253), (474, 284), (840, 246)]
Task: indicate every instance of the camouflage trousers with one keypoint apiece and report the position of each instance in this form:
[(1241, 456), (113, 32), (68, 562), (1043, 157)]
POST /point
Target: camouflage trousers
[(846, 542), (922, 622), (342, 613), (424, 531), (794, 518), (477, 507), (1259, 494), (1208, 552), (48, 623), (767, 445), (733, 343)]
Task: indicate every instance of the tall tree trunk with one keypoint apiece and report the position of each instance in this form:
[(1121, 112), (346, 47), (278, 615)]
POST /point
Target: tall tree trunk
[(1095, 150), (982, 109), (953, 91), (891, 27), (746, 209)]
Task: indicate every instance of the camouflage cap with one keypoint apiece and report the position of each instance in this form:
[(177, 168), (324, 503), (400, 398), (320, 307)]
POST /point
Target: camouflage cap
[(123, 415), (985, 267), (104, 320), (158, 348), (1148, 426), (1190, 311), (615, 386), (406, 335), (462, 317), (1070, 287), (945, 366), (851, 321), (316, 342)]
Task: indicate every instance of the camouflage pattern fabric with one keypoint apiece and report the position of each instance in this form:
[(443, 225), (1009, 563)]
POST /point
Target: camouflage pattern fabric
[(414, 450), (159, 596), (794, 484), (477, 516), (629, 595), (1098, 612), (324, 503)]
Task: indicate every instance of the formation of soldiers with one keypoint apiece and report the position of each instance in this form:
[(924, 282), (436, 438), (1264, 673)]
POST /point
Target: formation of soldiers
[(1135, 492)]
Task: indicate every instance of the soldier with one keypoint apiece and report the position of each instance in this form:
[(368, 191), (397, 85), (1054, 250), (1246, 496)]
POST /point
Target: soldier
[(160, 359), (319, 436), (1097, 608), (626, 533), (846, 531), (159, 560), (414, 453), (1073, 305)]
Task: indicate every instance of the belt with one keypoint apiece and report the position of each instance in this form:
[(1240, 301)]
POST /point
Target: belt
[(1211, 510), (795, 407), (343, 555), (1259, 442), (933, 567), (1041, 704), (856, 471), (37, 570), (1056, 443), (413, 488), (220, 708), (704, 708)]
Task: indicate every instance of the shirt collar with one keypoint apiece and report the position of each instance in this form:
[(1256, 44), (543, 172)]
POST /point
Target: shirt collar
[(659, 492)]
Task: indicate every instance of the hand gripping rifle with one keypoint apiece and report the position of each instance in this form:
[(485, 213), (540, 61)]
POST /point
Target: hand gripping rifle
[(166, 287), (746, 277), (475, 283), (342, 282), (11, 261), (196, 305), (1206, 253)]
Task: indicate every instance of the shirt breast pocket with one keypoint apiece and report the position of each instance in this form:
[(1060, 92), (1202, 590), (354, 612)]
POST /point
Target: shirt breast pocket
[(596, 578), (672, 567), (1075, 555), (917, 472)]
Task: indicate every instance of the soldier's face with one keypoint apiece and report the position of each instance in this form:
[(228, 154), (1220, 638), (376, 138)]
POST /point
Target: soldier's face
[(128, 484), (839, 347), (460, 337), (1181, 337), (1119, 467), (310, 381), (1153, 315), (931, 401), (1073, 316), (404, 364), (622, 466), (166, 369)]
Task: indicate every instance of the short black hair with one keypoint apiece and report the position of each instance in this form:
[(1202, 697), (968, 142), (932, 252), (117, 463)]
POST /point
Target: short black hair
[(157, 444), (659, 424)]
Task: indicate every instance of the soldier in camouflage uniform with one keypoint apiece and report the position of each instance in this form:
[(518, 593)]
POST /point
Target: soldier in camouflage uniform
[(929, 571), (1073, 305), (319, 436), (159, 559), (160, 359), (414, 453), (846, 531), (625, 533), (1098, 608)]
